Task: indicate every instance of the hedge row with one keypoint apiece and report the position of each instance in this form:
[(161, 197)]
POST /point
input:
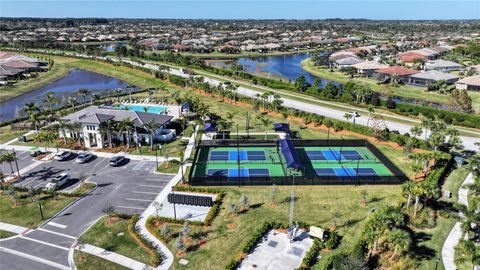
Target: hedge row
[(157, 257)]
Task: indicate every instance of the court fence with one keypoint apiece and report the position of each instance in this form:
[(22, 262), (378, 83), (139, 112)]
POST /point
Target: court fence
[(201, 160)]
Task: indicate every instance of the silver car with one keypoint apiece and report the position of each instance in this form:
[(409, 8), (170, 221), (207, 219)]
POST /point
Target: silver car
[(84, 157), (57, 182)]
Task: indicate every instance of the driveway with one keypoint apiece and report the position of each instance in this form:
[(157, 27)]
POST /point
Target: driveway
[(129, 189)]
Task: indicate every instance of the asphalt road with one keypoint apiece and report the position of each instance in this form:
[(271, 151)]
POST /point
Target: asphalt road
[(129, 189)]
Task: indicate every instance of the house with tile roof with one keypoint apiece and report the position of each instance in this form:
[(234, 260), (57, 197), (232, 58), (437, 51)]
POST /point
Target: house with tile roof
[(469, 83), (368, 67), (386, 74), (442, 65), (432, 76), (92, 118)]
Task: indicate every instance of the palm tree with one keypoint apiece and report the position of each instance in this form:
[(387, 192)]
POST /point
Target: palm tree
[(84, 92), (127, 126), (266, 122), (436, 139), (371, 110), (426, 123), (400, 240), (94, 98), (77, 129), (224, 125), (106, 129), (72, 101), (416, 131), (62, 126), (10, 158), (407, 188), (418, 191), (347, 116), (32, 109), (152, 126)]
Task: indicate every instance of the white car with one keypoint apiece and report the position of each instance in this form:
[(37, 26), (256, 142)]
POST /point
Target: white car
[(57, 182), (61, 156)]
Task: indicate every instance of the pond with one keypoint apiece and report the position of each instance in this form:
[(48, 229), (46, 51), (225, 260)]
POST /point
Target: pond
[(287, 67), (62, 90), (284, 67)]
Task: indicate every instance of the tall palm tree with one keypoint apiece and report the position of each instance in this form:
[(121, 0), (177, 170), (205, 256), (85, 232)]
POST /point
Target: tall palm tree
[(151, 126), (400, 240), (127, 126), (348, 116), (94, 97), (84, 92), (426, 123), (418, 192), (33, 110), (266, 122), (407, 189), (416, 131), (106, 129), (10, 158), (371, 110)]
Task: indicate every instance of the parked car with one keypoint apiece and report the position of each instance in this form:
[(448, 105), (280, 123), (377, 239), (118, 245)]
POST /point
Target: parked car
[(84, 157), (116, 160), (57, 182), (36, 153), (64, 155), (354, 114)]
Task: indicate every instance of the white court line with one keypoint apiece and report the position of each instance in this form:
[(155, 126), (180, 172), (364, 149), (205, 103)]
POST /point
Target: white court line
[(34, 258), (139, 200), (145, 192), (57, 233), (131, 207), (151, 186), (57, 225), (44, 243)]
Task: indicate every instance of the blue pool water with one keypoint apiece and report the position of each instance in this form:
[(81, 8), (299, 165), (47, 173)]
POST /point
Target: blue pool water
[(141, 108)]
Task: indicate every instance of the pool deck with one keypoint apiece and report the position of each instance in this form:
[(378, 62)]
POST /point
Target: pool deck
[(172, 110)]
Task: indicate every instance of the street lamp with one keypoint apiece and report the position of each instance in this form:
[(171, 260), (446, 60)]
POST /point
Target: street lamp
[(436, 263), (156, 156), (174, 210)]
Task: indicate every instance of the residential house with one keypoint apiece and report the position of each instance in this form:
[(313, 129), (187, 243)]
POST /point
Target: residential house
[(428, 77), (368, 68), (347, 62), (411, 57), (386, 74), (92, 118), (469, 83), (442, 65)]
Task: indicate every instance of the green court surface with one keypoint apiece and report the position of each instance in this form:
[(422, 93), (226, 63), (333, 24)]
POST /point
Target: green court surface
[(270, 162)]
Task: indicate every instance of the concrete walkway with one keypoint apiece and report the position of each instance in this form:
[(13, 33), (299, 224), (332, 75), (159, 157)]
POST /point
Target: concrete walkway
[(141, 224), (13, 228), (448, 249), (113, 257)]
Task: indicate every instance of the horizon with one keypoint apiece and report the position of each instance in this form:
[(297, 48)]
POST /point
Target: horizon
[(389, 10)]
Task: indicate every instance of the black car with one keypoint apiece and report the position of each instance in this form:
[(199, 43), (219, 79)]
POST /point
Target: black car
[(36, 153), (116, 161)]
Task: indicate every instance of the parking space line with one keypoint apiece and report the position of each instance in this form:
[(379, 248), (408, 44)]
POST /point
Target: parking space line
[(139, 166), (145, 192), (151, 186), (139, 200), (131, 207), (41, 183), (156, 180), (57, 225), (57, 233), (34, 258), (98, 163), (44, 243)]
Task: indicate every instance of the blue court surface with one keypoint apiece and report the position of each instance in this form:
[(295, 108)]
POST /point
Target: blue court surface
[(237, 155), (345, 172), (333, 155), (242, 172)]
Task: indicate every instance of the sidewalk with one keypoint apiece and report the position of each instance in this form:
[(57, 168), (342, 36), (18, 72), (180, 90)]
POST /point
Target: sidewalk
[(453, 238), (113, 257), (167, 254), (13, 228)]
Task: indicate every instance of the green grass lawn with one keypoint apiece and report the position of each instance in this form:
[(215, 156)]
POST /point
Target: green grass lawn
[(402, 90), (5, 234), (27, 213), (85, 261), (168, 167), (454, 182), (116, 238), (314, 204), (7, 133)]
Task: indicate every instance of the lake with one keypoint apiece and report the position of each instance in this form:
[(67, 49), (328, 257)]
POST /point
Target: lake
[(62, 89)]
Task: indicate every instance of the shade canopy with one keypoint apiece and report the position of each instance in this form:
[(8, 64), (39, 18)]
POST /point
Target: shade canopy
[(210, 127), (291, 156), (281, 127)]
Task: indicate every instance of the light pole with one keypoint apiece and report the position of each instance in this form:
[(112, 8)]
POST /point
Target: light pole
[(16, 162), (156, 155), (436, 263), (174, 210), (40, 208)]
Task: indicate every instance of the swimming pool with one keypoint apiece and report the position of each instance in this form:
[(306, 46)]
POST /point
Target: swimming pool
[(142, 108)]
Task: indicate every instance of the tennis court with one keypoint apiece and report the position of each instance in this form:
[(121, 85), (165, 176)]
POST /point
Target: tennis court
[(345, 164)]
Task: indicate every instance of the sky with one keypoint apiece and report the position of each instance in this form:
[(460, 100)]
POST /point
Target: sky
[(246, 9)]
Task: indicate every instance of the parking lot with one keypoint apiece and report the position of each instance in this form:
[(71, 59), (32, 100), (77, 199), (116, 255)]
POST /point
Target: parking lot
[(128, 188)]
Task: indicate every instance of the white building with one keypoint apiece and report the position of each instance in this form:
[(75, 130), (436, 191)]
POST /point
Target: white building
[(93, 118)]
